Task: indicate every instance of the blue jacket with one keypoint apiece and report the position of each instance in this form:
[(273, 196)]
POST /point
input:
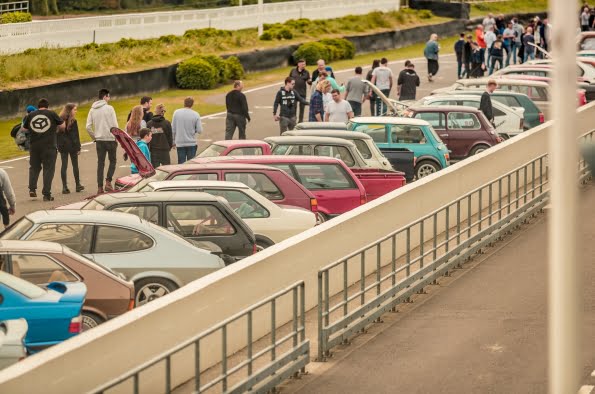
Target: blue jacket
[(431, 50), (142, 145)]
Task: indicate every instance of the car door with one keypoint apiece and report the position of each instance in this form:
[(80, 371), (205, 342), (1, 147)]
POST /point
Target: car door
[(464, 130), (260, 182)]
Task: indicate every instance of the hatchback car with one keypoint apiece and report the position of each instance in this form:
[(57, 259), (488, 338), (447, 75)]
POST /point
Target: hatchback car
[(271, 223), (108, 294), (236, 148), (53, 313), (156, 260)]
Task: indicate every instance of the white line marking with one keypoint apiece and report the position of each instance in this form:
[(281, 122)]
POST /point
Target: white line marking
[(586, 389)]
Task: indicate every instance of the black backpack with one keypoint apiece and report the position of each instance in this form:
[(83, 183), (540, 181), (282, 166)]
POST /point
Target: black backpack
[(21, 137)]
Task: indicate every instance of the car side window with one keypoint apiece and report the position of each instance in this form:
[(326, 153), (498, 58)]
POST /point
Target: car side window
[(284, 167), (40, 269), (259, 182), (435, 119), (148, 212), (402, 134), (244, 205), (470, 103), (463, 121), (299, 150), (246, 151), (196, 177), (539, 94), (323, 176), (376, 131), (197, 220), (75, 236), (363, 148), (112, 239), (497, 112), (338, 152)]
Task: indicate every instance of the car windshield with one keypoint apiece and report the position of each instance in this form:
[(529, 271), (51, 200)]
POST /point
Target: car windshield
[(27, 289), (160, 175), (93, 205), (18, 230), (212, 150)]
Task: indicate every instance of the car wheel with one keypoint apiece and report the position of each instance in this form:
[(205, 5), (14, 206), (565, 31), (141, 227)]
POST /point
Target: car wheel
[(478, 149), (261, 245), (90, 320), (321, 218), (149, 289), (425, 168)]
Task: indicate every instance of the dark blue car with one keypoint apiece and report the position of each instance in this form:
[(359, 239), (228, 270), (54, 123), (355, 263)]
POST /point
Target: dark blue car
[(53, 313)]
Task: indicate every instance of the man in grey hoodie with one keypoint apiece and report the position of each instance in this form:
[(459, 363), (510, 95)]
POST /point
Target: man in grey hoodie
[(186, 124), (102, 117)]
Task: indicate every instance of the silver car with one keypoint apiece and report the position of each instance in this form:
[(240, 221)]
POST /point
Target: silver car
[(155, 259), (12, 346)]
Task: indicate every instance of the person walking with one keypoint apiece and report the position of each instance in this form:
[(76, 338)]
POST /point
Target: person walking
[(485, 104), (101, 118), (317, 102), (162, 138), (145, 137), (286, 99), (585, 19), (458, 47), (407, 82), (338, 110), (7, 198), (468, 55), (496, 55), (477, 63), (145, 102), (135, 122), (42, 125), (480, 39), (528, 43), (489, 38), (301, 76), (488, 22), (237, 112), (371, 94), (356, 92), (518, 40), (431, 54), (382, 77), (186, 124), (508, 37), (69, 145)]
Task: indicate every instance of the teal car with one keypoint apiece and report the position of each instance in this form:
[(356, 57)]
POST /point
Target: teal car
[(393, 133)]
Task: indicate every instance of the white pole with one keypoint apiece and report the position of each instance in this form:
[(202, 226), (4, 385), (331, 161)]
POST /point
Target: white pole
[(564, 277), (260, 16)]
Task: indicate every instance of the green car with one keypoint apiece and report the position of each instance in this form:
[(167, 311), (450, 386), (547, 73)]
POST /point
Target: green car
[(393, 133)]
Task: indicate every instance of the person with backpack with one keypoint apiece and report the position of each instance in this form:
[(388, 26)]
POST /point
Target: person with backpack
[(43, 125), (6, 194), (20, 135), (69, 145)]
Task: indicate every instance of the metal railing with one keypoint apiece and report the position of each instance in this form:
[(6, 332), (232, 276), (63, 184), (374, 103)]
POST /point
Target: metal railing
[(261, 375), (356, 290), (14, 6)]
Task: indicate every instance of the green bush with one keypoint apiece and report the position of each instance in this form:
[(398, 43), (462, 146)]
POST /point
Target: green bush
[(169, 39), (235, 70), (218, 64), (339, 48), (208, 32), (425, 14), (15, 17), (196, 73), (311, 52), (267, 36)]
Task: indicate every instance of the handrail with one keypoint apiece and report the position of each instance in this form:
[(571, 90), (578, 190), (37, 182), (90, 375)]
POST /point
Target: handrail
[(14, 6)]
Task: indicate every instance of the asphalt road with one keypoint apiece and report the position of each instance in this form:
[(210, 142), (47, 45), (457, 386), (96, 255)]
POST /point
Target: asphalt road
[(260, 101), (485, 332)]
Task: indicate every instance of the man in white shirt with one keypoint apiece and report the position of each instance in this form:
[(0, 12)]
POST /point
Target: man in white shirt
[(488, 22), (339, 110), (382, 77)]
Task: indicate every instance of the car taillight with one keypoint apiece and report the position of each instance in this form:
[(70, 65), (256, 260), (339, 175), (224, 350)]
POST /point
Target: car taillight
[(541, 117), (76, 325), (499, 139), (314, 205), (131, 305), (447, 157), (363, 200), (254, 249), (582, 99), (414, 160)]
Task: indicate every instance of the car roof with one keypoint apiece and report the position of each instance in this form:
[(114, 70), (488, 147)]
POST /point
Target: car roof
[(215, 165), (30, 246), (118, 198), (467, 92), (197, 183), (82, 216), (484, 81), (390, 120), (338, 125), (348, 135), (305, 139), (238, 143), (271, 159), (444, 108)]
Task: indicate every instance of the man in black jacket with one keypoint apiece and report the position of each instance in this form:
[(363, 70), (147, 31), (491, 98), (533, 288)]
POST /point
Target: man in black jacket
[(407, 82), (301, 76), (286, 99), (459, 45), (237, 112), (146, 102), (162, 140), (467, 55), (485, 105)]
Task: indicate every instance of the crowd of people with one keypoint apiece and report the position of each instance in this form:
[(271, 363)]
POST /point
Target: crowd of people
[(587, 18)]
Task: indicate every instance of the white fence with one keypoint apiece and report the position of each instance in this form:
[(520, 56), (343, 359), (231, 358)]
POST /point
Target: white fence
[(79, 31)]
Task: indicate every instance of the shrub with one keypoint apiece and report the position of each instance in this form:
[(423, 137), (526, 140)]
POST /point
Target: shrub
[(206, 33), (196, 73), (311, 52), (425, 14), (15, 17), (339, 48), (169, 39), (267, 36), (235, 70), (128, 43), (284, 34), (91, 46), (218, 64)]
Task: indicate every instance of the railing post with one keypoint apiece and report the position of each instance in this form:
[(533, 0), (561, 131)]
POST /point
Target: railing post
[(224, 357), (197, 366), (320, 319), (295, 316)]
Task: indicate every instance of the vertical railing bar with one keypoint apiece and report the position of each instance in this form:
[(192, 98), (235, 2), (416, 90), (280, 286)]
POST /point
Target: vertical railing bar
[(135, 384), (540, 175), (408, 251), (394, 260), (447, 225), (458, 222), (362, 277), (435, 238), (168, 374), (345, 286), (321, 337), (421, 243), (517, 188), (274, 329), (469, 216), (499, 199), (490, 202), (250, 345), (533, 179), (224, 356), (197, 366), (508, 191), (327, 297), (295, 316), (303, 312), (525, 186), (378, 263), (480, 216)]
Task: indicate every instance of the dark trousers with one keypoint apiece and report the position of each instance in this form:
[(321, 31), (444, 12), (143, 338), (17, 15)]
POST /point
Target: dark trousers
[(160, 157), (286, 124), (4, 210), (74, 158), (433, 67), (467, 71), (356, 106), (301, 109), (381, 105), (186, 153), (459, 66), (42, 156), (373, 105), (105, 148), (231, 122)]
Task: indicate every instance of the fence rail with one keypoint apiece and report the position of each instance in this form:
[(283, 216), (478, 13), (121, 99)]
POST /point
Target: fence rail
[(369, 286), (260, 376), (14, 6)]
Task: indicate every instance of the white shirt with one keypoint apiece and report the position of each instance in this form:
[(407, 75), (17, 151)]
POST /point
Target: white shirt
[(338, 112)]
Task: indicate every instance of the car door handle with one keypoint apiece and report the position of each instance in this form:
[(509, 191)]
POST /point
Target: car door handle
[(443, 135)]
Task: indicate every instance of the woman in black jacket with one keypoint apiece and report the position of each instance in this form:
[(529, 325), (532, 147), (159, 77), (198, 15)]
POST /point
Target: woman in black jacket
[(69, 144)]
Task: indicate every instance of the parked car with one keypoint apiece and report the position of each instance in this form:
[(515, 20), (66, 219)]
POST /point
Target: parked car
[(327, 176), (532, 115), (585, 91), (464, 130), (53, 313), (508, 121), (199, 217), (236, 148), (415, 135), (584, 67), (108, 294), (156, 260), (321, 125), (586, 40), (12, 341), (270, 223)]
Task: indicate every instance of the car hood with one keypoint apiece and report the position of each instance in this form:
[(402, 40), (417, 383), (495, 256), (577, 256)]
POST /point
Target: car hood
[(145, 169)]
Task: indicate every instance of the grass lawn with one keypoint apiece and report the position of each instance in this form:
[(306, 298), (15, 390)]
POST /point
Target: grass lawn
[(508, 7), (173, 99)]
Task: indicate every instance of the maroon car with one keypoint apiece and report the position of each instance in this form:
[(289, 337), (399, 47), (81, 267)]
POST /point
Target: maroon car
[(464, 130)]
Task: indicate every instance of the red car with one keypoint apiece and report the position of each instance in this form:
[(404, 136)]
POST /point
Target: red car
[(236, 148)]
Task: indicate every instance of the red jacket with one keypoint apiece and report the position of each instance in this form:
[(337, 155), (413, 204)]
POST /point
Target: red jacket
[(479, 38)]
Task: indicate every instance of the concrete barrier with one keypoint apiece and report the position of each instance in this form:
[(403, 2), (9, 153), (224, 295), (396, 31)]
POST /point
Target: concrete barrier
[(85, 362)]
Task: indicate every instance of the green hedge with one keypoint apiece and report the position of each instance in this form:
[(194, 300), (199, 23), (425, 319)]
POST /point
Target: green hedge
[(330, 49), (15, 17), (207, 71)]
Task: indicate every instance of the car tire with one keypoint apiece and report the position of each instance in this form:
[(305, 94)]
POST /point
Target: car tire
[(478, 149), (321, 218), (149, 289), (262, 244), (425, 168), (91, 320)]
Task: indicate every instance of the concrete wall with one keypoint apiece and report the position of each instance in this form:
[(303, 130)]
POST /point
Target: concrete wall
[(442, 8), (95, 357)]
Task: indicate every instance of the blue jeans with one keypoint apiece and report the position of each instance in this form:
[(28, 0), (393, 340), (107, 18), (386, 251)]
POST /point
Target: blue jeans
[(380, 105), (356, 106), (528, 56), (186, 153)]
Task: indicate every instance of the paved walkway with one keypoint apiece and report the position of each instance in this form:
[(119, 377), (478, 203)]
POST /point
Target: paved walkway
[(484, 332)]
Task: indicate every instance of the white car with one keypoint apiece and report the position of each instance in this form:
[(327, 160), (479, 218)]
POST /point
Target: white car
[(12, 346), (508, 120), (584, 70), (270, 223)]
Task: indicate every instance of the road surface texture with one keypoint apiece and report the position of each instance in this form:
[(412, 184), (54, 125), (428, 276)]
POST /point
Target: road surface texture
[(260, 101), (484, 332)]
